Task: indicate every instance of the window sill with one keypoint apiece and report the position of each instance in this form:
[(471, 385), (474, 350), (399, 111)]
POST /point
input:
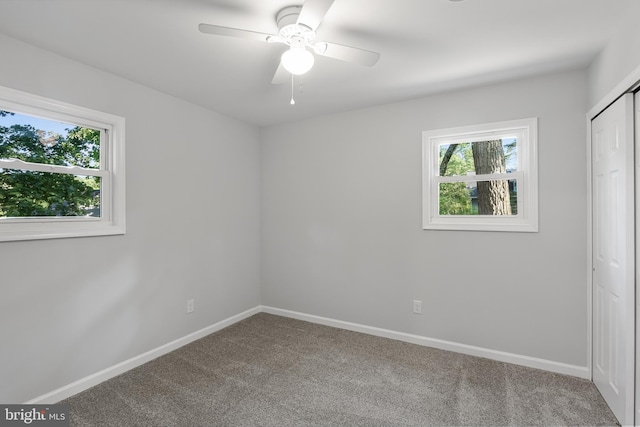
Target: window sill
[(15, 231)]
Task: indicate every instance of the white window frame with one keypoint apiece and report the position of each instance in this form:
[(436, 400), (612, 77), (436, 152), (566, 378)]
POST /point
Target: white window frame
[(526, 176), (111, 172)]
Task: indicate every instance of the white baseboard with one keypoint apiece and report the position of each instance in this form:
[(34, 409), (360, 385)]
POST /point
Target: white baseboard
[(108, 373), (95, 379), (517, 359)]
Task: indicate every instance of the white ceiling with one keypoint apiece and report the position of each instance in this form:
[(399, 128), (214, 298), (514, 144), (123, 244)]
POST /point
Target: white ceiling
[(426, 46)]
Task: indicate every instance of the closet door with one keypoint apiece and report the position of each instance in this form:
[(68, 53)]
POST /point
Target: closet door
[(612, 146)]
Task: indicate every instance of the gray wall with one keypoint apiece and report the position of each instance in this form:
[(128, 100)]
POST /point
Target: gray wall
[(619, 57), (71, 307), (342, 237)]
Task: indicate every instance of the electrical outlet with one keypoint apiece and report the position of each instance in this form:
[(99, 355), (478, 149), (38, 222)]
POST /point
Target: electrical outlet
[(417, 306), (190, 306)]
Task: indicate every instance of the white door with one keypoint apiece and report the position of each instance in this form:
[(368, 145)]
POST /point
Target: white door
[(613, 257)]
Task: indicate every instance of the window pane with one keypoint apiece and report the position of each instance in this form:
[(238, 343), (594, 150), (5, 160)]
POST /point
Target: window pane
[(30, 194), (36, 140), (480, 157), (496, 198)]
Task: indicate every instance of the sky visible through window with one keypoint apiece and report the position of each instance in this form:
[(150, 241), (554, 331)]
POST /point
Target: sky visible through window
[(38, 123), (512, 160)]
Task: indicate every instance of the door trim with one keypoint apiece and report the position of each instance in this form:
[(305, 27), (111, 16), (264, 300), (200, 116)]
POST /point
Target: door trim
[(636, 144)]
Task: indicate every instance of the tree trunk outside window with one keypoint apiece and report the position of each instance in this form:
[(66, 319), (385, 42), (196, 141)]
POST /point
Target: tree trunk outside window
[(493, 196)]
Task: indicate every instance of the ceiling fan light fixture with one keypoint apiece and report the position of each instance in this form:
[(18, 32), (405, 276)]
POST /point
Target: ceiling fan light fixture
[(297, 60)]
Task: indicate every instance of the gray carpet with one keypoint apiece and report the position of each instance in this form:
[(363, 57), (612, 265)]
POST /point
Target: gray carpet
[(274, 371)]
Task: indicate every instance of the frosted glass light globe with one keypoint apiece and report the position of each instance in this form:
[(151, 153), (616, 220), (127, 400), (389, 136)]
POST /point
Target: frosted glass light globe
[(297, 60)]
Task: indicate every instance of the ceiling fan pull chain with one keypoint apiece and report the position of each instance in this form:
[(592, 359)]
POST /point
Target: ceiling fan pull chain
[(293, 101)]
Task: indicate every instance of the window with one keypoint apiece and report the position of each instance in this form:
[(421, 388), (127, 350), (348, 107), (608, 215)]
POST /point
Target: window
[(61, 169), (481, 177)]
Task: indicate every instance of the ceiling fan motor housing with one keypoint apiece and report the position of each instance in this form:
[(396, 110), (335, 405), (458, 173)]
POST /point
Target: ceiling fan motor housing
[(290, 31)]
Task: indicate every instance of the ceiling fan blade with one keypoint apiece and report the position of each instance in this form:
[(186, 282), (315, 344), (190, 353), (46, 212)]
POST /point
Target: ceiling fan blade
[(351, 54), (281, 76), (233, 32), (313, 11)]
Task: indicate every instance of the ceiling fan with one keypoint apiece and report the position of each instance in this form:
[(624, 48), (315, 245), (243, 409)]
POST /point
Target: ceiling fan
[(297, 29)]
